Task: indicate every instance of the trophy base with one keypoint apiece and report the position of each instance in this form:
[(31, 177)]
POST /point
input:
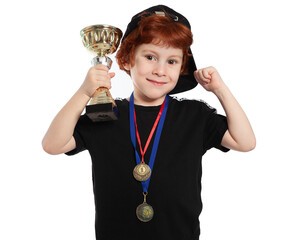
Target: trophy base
[(102, 112)]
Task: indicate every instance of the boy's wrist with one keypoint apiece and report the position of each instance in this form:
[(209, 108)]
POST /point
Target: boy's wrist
[(221, 92), (83, 93)]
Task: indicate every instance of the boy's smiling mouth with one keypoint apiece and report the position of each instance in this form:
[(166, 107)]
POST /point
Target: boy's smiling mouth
[(156, 83)]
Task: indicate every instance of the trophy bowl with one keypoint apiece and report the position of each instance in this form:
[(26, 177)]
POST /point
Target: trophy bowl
[(101, 40)]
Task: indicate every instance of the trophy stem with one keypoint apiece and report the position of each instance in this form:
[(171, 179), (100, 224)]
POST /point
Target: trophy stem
[(102, 60), (102, 95), (102, 106)]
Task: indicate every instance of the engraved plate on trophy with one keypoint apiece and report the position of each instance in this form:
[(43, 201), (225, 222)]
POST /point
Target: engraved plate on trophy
[(101, 40)]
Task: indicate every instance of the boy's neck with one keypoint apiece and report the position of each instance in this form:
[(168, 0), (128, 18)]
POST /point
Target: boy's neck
[(147, 101)]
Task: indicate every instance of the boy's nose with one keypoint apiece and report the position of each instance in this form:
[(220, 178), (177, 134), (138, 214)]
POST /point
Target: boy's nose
[(159, 69)]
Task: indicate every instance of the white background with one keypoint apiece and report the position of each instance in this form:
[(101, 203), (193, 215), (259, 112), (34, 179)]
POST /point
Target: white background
[(255, 47)]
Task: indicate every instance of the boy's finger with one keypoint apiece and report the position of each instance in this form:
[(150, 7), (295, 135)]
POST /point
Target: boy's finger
[(206, 74), (112, 74), (101, 67)]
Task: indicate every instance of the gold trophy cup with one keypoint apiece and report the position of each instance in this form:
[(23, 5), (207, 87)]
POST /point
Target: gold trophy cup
[(101, 40)]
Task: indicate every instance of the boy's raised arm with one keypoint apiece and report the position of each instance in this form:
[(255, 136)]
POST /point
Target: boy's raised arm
[(59, 137), (239, 136)]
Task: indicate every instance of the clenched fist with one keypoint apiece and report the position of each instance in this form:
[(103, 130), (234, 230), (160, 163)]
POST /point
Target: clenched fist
[(97, 76), (209, 79)]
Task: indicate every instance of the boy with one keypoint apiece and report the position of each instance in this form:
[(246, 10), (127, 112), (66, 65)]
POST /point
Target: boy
[(152, 128)]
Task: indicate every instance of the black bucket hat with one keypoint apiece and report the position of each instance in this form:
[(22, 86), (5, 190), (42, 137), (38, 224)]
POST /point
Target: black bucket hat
[(186, 81)]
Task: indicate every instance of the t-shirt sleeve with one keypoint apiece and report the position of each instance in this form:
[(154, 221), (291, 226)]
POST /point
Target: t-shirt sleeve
[(214, 130), (79, 137)]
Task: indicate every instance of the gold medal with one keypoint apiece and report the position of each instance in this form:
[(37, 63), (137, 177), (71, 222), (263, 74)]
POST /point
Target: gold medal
[(144, 211), (142, 172)]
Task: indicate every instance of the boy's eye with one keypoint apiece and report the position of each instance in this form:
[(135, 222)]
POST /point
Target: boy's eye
[(172, 61), (149, 57)]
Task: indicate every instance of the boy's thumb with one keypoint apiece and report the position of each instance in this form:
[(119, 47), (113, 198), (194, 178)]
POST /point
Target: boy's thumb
[(112, 74)]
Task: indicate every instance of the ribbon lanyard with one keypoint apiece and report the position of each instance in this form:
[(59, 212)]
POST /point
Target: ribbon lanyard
[(134, 133)]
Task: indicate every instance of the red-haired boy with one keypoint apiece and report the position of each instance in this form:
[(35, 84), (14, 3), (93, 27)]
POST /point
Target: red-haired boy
[(152, 128)]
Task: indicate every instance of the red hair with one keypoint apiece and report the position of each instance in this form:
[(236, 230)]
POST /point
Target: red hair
[(159, 30)]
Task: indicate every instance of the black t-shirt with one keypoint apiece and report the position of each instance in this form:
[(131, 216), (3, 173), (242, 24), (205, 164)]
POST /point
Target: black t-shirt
[(191, 128)]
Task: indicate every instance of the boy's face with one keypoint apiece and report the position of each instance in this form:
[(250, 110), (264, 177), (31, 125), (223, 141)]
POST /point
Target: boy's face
[(155, 72)]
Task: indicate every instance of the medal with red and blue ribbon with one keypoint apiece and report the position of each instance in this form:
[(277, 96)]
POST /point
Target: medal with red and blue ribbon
[(142, 171)]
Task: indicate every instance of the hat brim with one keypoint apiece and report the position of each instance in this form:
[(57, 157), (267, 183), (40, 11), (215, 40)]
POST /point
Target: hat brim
[(187, 81)]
